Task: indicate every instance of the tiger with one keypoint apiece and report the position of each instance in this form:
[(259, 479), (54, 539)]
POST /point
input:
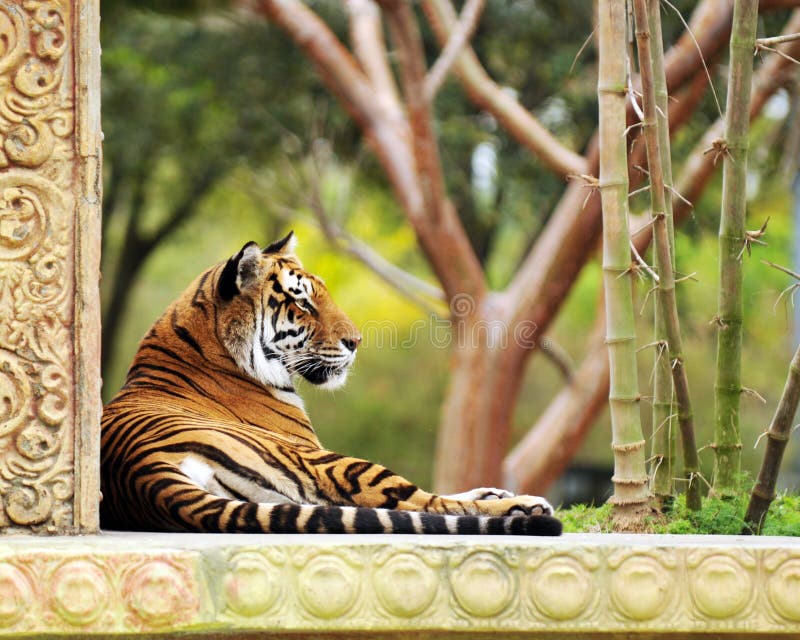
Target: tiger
[(208, 433)]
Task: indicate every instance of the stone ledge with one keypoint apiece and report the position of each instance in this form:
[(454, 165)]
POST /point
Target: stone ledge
[(431, 586)]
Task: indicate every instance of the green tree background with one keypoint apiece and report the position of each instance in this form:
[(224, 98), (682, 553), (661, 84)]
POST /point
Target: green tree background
[(217, 129)]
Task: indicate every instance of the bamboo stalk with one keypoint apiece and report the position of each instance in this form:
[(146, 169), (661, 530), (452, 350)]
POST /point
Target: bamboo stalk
[(728, 386), (544, 452), (668, 306), (663, 439), (777, 436), (630, 478)]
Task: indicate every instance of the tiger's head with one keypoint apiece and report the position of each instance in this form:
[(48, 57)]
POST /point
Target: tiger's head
[(277, 320)]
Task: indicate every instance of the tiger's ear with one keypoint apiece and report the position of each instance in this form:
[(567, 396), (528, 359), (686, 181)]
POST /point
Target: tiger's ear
[(284, 247), (240, 271)]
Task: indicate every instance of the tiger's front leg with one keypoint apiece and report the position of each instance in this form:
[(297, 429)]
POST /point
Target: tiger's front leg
[(344, 480), (483, 493)]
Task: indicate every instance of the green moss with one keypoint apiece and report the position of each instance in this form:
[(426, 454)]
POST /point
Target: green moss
[(783, 518), (583, 519), (717, 516)]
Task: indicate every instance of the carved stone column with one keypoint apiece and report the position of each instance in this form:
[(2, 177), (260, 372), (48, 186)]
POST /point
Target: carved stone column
[(49, 265)]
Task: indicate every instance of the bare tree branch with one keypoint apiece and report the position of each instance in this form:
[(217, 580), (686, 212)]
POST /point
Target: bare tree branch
[(485, 93), (459, 37), (559, 356), (546, 450), (451, 240), (366, 35), (766, 5), (414, 289)]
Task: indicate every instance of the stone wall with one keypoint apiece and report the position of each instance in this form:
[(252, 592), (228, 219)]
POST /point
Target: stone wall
[(399, 586)]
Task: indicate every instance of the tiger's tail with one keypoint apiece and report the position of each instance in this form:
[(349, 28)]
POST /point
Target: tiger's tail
[(190, 508)]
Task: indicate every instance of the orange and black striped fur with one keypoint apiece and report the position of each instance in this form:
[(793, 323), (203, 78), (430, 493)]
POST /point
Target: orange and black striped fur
[(208, 433)]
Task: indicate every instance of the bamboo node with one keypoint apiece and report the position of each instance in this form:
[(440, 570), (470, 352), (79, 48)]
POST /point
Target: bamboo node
[(618, 339), (753, 237), (627, 446), (641, 480), (589, 182), (716, 320), (759, 493), (624, 502), (719, 147), (730, 446)]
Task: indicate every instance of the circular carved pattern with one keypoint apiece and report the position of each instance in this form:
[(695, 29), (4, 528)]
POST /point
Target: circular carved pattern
[(405, 585), (35, 442), (35, 78), (23, 222), (15, 595), (29, 505), (157, 594), (80, 592), (721, 586), (327, 587), (30, 143), (640, 588), (783, 589), (252, 585), (482, 585), (561, 589)]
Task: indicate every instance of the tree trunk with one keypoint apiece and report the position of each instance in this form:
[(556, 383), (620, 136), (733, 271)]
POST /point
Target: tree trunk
[(728, 386), (547, 449), (486, 374)]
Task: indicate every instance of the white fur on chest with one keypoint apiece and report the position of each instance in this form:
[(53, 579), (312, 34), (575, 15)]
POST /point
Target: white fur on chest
[(197, 471)]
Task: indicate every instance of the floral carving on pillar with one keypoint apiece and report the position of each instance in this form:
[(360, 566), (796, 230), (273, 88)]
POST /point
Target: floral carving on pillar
[(40, 176)]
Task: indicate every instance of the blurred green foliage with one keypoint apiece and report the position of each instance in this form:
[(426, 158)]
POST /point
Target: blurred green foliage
[(198, 91)]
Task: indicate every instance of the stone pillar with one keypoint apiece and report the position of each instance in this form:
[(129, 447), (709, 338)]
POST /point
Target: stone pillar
[(49, 265)]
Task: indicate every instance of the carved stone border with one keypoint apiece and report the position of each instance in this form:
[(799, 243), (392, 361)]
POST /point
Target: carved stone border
[(428, 585), (49, 265)]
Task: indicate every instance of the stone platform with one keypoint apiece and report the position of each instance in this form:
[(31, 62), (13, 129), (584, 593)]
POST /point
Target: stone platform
[(398, 586)]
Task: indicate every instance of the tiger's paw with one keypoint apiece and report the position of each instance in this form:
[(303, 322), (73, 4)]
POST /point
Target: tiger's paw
[(483, 493), (527, 506)]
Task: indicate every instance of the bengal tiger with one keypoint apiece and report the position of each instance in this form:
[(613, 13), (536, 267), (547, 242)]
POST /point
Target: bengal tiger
[(208, 433)]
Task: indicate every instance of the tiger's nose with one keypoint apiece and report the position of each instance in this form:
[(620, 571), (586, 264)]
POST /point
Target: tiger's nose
[(351, 344)]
